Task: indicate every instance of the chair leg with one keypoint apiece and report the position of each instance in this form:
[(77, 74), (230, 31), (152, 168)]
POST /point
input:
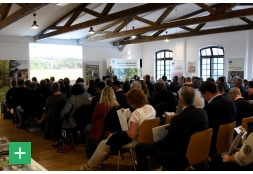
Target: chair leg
[(132, 155), (72, 142), (207, 164), (118, 159)]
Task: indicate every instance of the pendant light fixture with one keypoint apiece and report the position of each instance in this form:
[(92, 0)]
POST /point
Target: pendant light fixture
[(91, 31), (166, 40), (133, 36), (34, 25)]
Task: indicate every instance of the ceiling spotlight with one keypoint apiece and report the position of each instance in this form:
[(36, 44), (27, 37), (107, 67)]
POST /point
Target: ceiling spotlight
[(34, 25), (91, 31), (133, 36), (166, 40)]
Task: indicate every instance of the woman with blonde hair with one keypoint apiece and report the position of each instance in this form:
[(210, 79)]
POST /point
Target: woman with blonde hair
[(138, 101), (107, 101)]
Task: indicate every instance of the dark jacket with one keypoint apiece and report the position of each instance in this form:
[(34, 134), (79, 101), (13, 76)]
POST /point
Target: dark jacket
[(244, 109), (182, 126), (220, 111)]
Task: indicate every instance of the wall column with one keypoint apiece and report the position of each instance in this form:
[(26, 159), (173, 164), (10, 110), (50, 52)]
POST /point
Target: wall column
[(249, 55)]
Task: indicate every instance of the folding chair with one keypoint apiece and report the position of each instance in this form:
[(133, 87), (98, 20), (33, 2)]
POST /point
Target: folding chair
[(225, 137), (145, 136), (198, 147)]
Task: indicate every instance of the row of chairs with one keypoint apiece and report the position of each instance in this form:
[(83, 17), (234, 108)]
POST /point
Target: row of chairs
[(199, 144)]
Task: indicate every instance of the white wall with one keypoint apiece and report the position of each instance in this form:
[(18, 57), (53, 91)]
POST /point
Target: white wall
[(14, 48), (236, 44)]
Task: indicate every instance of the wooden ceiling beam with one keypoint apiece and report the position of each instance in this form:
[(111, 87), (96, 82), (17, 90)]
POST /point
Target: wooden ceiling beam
[(158, 32), (206, 7), (4, 10), (91, 12), (21, 4), (111, 25), (199, 26), (179, 23), (127, 21), (61, 19), (143, 39), (74, 17), (24, 11), (111, 17), (187, 28), (164, 15), (107, 9), (225, 8), (144, 20), (246, 20)]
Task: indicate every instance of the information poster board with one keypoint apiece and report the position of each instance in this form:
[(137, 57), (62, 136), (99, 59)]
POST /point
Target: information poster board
[(124, 67), (235, 69)]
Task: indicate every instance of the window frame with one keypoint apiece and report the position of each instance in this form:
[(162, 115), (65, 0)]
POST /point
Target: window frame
[(166, 67), (214, 65)]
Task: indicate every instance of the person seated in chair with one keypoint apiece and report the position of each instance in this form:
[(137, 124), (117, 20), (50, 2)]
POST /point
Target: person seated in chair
[(241, 160), (170, 152), (76, 101), (137, 100)]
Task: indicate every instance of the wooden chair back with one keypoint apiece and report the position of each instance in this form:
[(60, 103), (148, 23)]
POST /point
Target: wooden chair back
[(245, 122), (146, 134), (199, 146), (225, 137), (168, 118)]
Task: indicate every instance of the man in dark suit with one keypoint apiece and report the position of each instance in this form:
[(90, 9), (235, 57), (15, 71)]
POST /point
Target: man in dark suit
[(110, 72), (244, 108), (170, 152), (220, 110)]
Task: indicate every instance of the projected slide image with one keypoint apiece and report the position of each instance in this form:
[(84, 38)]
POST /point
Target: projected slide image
[(63, 61)]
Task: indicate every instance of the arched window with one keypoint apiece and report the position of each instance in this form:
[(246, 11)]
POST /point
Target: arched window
[(163, 64), (211, 62)]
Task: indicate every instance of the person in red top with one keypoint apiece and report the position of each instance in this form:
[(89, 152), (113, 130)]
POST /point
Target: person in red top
[(107, 101)]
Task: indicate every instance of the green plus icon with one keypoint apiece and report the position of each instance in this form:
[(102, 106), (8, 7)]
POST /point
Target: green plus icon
[(19, 152)]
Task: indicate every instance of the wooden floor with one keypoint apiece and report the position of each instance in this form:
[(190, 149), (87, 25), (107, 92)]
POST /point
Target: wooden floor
[(47, 156)]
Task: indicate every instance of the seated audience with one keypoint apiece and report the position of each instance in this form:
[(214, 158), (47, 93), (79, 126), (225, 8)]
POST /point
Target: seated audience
[(221, 91), (53, 108), (163, 95), (137, 100), (10, 94), (107, 101), (175, 85), (248, 95), (244, 108), (119, 94), (76, 101), (170, 152), (238, 84), (199, 102), (220, 110)]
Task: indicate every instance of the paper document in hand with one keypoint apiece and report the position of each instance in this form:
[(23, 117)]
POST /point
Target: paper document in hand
[(123, 115), (235, 143), (160, 132), (238, 129)]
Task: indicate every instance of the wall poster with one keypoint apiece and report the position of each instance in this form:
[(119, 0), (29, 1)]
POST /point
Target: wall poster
[(4, 79), (235, 69), (19, 69), (92, 72), (125, 67), (191, 67), (176, 68)]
